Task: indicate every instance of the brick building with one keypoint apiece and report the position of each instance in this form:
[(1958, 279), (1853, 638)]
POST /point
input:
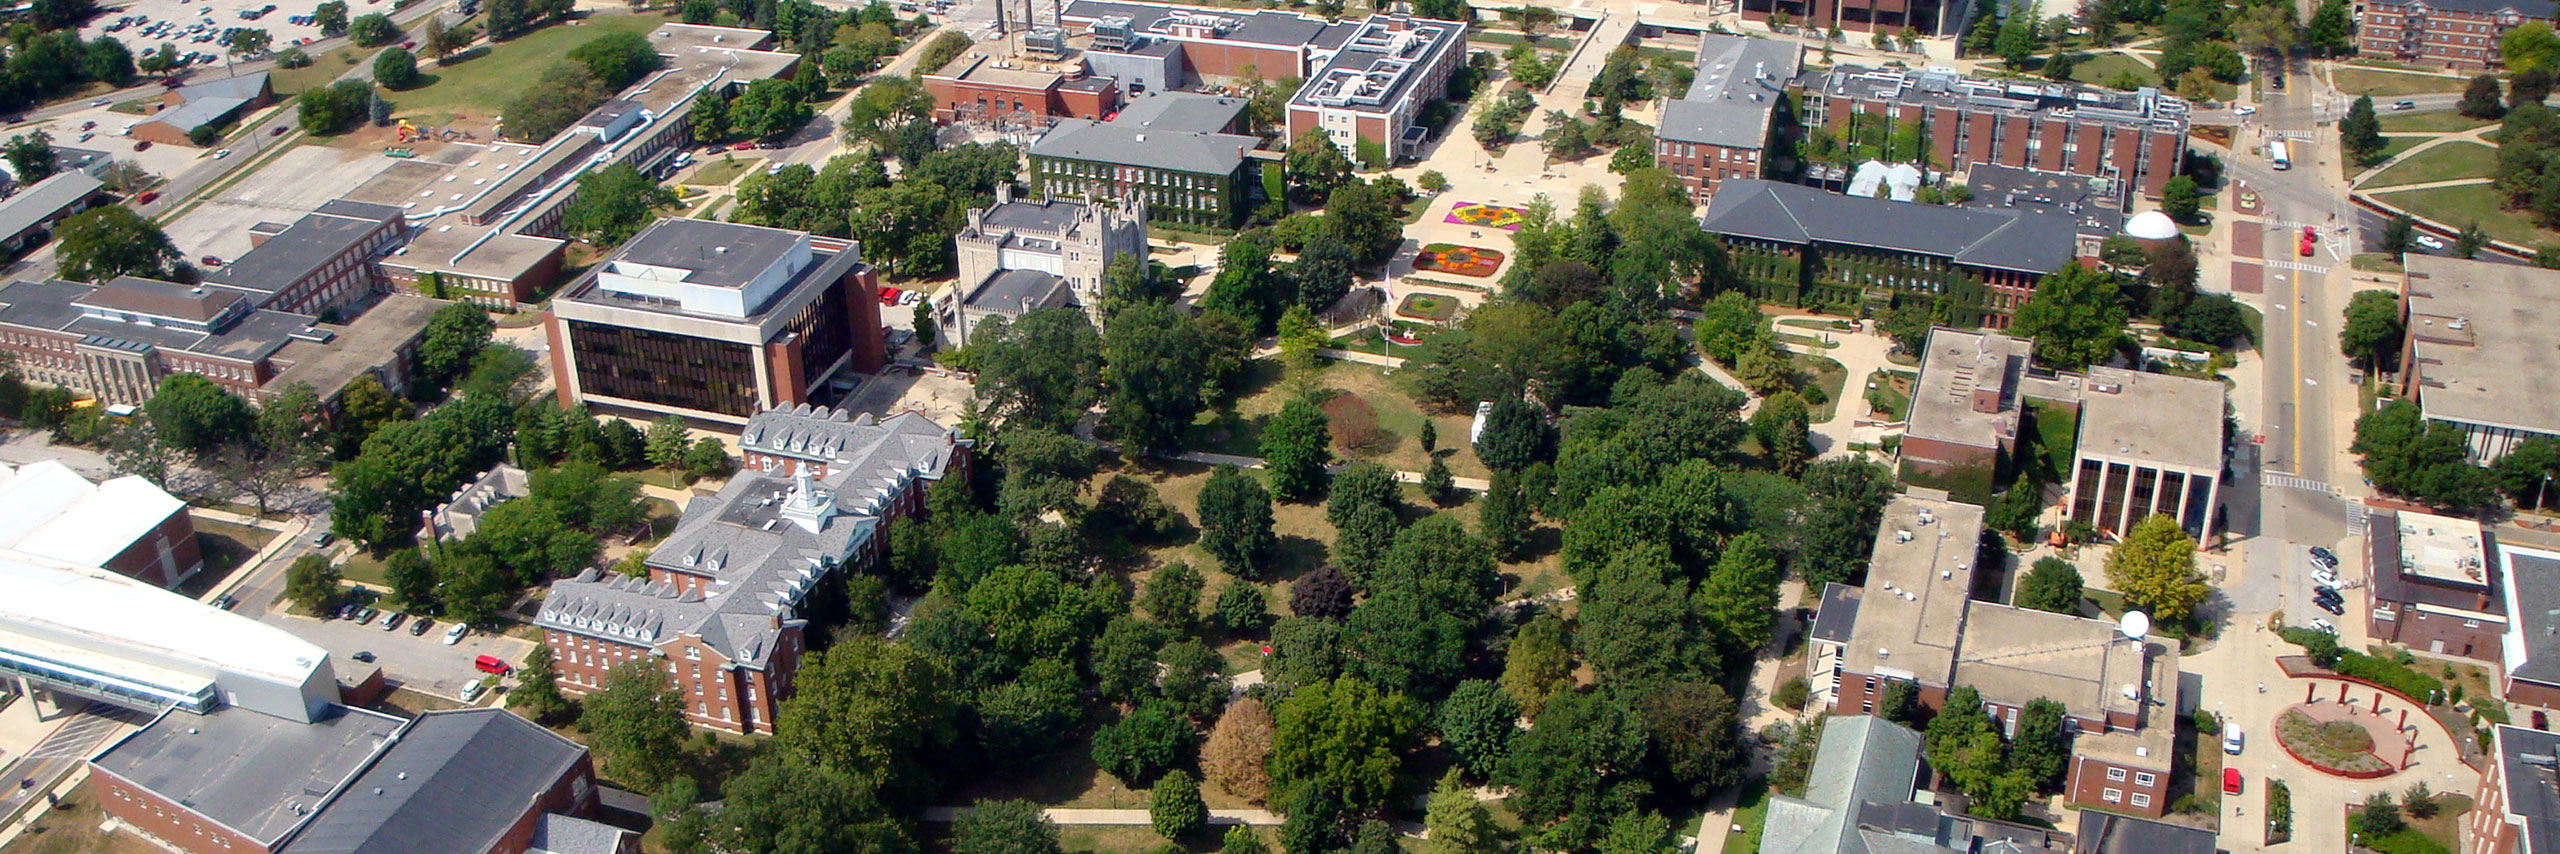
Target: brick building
[(2435, 584), (1914, 621), (2530, 646), (1015, 256), (2516, 810), (1927, 17), (2139, 137), (1372, 88), (1729, 124), (126, 525), (1183, 156), (321, 264), (723, 603), (2149, 444), (210, 103), (2475, 356), (118, 340), (463, 781), (1154, 47), (716, 322), (985, 87), (1965, 410), (2458, 34)]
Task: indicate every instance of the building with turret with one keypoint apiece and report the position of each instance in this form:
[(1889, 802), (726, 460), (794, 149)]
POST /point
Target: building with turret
[(1015, 256)]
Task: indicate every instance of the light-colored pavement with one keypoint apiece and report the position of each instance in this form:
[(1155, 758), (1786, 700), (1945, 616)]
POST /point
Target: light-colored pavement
[(1860, 352), (421, 663), (1136, 818)]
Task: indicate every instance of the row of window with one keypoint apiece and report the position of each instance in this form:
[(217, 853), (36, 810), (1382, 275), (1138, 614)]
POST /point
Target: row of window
[(2140, 778), (153, 804), (2114, 796), (1131, 174)]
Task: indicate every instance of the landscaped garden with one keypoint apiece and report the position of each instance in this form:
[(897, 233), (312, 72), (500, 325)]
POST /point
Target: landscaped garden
[(1458, 260), (2393, 84), (1428, 307), (1489, 216), (2336, 745)]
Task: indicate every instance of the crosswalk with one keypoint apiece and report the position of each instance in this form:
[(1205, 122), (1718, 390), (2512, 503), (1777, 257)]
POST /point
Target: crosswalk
[(2280, 480), (2299, 267)]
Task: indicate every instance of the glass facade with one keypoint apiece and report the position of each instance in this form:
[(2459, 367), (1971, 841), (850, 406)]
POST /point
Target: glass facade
[(665, 369), (105, 687), (825, 330)]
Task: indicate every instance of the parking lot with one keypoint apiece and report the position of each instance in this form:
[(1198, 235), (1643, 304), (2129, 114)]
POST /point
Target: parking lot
[(104, 127), (210, 18), (220, 224), (421, 663)]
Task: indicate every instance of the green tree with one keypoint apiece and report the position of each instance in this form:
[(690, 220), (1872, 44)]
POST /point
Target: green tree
[(613, 203), (2155, 568), (2399, 233), (635, 723), (311, 583), (1515, 434), (1457, 822), (192, 414), (1174, 806), (2529, 47), (1315, 166), (2372, 330), (668, 439), (2076, 317), (2331, 31), (1476, 724), (453, 339), (618, 59), (1042, 368), (1139, 748), (2179, 199), (1152, 364), (1004, 827), (782, 804), (1295, 448), (1343, 735), (1539, 663), (373, 29), (1569, 773), (1240, 839), (1172, 596), (2053, 584), (1503, 521), (1235, 522), (331, 17), (412, 581), (2481, 99), (537, 692), (2470, 241), (870, 708), (396, 69), (30, 156), (2361, 134), (2042, 746), (107, 241), (1783, 427)]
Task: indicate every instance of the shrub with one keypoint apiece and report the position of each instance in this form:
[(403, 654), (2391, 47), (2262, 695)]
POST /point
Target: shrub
[(1355, 426), (1792, 693)]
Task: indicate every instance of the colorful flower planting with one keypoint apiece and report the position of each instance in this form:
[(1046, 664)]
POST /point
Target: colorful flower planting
[(1458, 260), (1427, 307), (1490, 216)]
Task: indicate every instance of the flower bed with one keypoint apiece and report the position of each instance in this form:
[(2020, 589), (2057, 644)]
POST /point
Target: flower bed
[(1503, 217), (1404, 333), (1458, 260), (1430, 307), (2342, 747)]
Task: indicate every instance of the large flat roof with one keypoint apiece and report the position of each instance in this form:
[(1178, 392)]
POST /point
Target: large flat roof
[(456, 781), (120, 613), (260, 775), (2015, 655), (50, 511), (41, 200), (1910, 614), (363, 344), (1128, 144), (2531, 643), (2482, 339), (2147, 107), (1954, 364), (303, 249), (2168, 421), (2531, 776)]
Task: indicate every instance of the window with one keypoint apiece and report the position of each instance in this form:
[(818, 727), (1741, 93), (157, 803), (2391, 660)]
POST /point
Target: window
[(2112, 796), (2144, 779), (2141, 800), (693, 652), (2115, 775)]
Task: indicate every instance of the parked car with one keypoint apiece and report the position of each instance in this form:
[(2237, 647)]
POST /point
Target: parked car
[(142, 146), (2230, 781), (2333, 606), (419, 626), (2231, 739), (326, 537), (147, 197), (471, 692), (210, 260), (490, 664), (2244, 110), (888, 296), (2326, 594), (393, 622), (2430, 242), (2324, 556), (2324, 625), (2321, 576), (226, 602), (221, 153), (363, 655), (909, 297), (365, 615), (2310, 240), (454, 635), (276, 131)]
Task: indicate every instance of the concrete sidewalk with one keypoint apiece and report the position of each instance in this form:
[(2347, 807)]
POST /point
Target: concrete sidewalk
[(1135, 818)]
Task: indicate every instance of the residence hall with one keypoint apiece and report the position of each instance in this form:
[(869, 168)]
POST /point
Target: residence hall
[(1187, 158), (350, 781), (1370, 93), (716, 322), (1015, 256), (2477, 352), (2435, 584), (126, 525), (723, 602), (116, 341), (1728, 124), (2456, 34), (2137, 137), (1804, 246), (27, 217), (2530, 646), (1863, 795), (1926, 17), (1914, 621)]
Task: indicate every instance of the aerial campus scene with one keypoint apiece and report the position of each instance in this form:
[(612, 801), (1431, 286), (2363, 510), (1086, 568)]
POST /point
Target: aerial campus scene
[(1279, 426)]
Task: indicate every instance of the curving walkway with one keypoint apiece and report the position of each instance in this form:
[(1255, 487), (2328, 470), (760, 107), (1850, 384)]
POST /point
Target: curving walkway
[(1860, 353), (2435, 139)]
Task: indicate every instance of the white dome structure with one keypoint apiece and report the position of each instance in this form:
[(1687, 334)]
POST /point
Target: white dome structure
[(2151, 225)]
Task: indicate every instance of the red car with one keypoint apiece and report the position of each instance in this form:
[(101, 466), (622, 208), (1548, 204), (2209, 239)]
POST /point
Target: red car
[(743, 146), (142, 145), (2230, 781), (888, 296), (147, 197), (210, 260), (2310, 239)]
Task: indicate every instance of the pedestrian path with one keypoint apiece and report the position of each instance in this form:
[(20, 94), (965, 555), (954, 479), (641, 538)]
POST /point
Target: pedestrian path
[(1137, 818)]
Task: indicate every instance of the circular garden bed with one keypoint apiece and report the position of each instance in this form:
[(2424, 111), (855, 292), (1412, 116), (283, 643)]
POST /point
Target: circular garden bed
[(1458, 260), (1486, 216), (1428, 307), (2342, 747)]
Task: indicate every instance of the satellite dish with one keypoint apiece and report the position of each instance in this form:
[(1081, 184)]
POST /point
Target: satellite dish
[(2134, 625)]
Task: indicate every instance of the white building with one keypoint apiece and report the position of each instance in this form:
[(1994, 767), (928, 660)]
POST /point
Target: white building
[(102, 636)]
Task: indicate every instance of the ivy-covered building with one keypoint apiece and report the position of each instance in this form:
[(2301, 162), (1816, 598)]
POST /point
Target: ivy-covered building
[(1177, 154), (1803, 246)]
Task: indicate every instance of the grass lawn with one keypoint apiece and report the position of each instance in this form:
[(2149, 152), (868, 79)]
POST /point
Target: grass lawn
[(1825, 373), (365, 569), (2100, 70), (2393, 145), (1398, 414), (226, 547), (2469, 203), (721, 171), (2393, 84), (2430, 121), (2375, 262), (1750, 811), (2442, 163), (483, 85), (1889, 392), (323, 69), (71, 827)]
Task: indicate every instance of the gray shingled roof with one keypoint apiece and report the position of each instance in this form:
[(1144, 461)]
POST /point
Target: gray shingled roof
[(1861, 759), (569, 834), (2102, 832), (1130, 145), (256, 774), (1181, 111), (454, 782), (2525, 758), (301, 250), (2533, 597), (42, 199), (2024, 241), (1719, 108), (763, 559), (242, 86)]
